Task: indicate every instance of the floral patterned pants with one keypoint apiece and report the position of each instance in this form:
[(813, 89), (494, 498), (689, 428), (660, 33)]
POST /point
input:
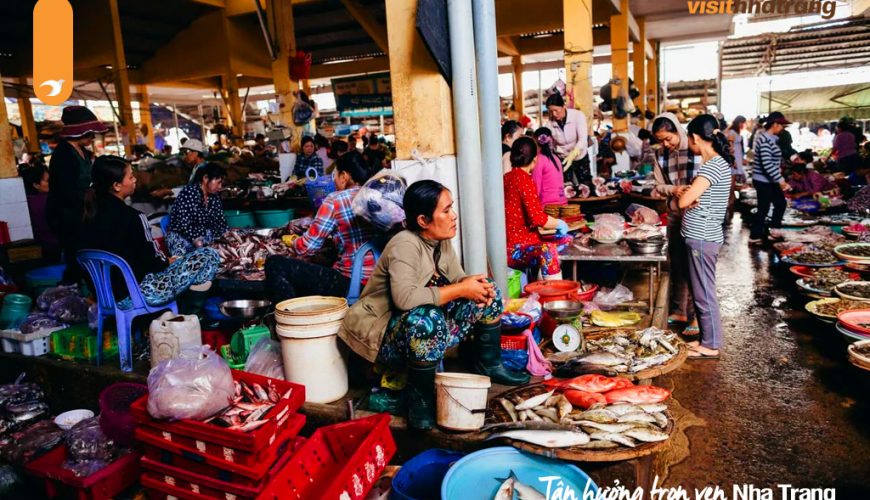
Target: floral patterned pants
[(544, 255), (424, 333), (192, 269)]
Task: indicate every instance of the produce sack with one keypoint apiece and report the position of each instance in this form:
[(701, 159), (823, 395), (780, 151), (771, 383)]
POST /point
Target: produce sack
[(265, 359), (379, 201), (195, 385)]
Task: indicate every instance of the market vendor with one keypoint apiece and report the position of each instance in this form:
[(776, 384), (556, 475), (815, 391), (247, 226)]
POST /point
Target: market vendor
[(806, 182), (197, 216), (767, 178), (69, 178), (419, 302), (547, 173), (193, 155), (524, 214), (290, 277), (113, 226), (36, 185), (307, 159), (510, 131), (675, 167), (569, 129)]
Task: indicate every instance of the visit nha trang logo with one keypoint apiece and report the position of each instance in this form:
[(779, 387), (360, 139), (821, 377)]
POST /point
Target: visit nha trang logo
[(53, 51), (824, 8)]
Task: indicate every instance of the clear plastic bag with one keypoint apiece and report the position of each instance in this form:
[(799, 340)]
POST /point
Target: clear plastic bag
[(608, 228), (608, 299), (265, 359), (195, 385), (69, 309), (640, 214), (86, 441), (48, 297), (38, 321), (379, 201)]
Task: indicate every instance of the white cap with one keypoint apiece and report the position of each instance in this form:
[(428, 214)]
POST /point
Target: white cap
[(194, 145)]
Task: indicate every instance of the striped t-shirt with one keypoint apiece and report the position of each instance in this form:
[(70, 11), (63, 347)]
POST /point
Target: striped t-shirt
[(704, 222), (767, 166)]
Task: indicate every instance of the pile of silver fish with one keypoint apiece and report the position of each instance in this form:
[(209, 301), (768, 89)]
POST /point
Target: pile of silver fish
[(549, 420), (511, 484), (249, 408), (623, 352)]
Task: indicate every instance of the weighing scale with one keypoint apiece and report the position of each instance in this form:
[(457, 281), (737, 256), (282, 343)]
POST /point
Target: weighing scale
[(568, 330)]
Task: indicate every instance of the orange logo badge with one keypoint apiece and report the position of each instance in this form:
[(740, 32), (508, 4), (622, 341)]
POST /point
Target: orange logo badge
[(53, 51)]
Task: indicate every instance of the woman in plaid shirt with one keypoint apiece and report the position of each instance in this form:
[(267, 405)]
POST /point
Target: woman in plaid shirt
[(289, 277)]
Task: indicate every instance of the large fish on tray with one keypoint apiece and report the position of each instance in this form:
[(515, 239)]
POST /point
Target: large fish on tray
[(638, 394)]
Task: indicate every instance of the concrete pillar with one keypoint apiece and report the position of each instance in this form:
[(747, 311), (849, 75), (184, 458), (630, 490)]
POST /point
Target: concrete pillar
[(145, 115), (8, 165), (122, 79), (638, 57), (28, 124), (519, 101), (619, 59), (577, 15), (416, 84), (230, 89), (652, 80), (280, 13)]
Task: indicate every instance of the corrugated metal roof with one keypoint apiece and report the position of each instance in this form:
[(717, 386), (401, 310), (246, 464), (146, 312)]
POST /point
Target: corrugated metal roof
[(840, 44)]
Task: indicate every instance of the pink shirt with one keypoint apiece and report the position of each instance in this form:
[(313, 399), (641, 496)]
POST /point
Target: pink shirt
[(549, 181), (572, 135)]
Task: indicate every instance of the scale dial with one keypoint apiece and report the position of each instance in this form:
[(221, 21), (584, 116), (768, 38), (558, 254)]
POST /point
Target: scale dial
[(566, 338)]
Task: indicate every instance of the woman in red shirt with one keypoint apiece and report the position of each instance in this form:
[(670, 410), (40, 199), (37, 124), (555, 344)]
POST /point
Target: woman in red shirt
[(524, 215)]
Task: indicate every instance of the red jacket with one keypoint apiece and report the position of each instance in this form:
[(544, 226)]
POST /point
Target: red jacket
[(522, 209)]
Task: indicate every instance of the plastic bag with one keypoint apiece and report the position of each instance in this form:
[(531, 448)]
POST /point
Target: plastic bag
[(608, 227), (195, 385), (615, 319), (608, 299), (265, 359), (46, 298), (640, 214), (69, 309), (38, 321), (93, 316), (379, 201), (86, 441)]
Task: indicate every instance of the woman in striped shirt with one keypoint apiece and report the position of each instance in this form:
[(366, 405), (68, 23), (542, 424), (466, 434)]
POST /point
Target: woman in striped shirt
[(706, 202)]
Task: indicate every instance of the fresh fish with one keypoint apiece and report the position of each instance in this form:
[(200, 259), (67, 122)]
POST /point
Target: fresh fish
[(529, 426), (598, 444), (602, 358), (653, 407), (604, 427), (582, 399), (641, 364), (526, 492), (667, 345), (660, 418), (260, 392), (547, 439), (534, 401), (613, 437), (646, 435), (533, 416), (523, 415), (249, 426), (552, 400), (588, 383), (548, 413), (638, 417), (564, 407), (600, 415), (638, 394), (509, 408), (506, 490), (573, 368)]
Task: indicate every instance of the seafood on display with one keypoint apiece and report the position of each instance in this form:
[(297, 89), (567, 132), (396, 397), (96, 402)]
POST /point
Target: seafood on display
[(243, 253), (589, 412), (249, 408), (512, 484), (623, 352), (827, 278)]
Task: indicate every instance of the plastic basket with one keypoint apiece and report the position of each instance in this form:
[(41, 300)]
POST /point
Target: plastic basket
[(341, 461), (185, 482), (236, 440), (274, 218), (216, 459), (104, 484), (115, 418), (421, 476), (513, 342), (239, 219), (319, 189), (79, 343)]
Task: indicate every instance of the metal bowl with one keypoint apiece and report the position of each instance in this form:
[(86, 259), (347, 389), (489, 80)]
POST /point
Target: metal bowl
[(245, 309), (563, 309), (647, 246)]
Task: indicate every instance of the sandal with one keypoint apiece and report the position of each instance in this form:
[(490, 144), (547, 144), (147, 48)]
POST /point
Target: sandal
[(695, 354), (692, 331), (676, 318)]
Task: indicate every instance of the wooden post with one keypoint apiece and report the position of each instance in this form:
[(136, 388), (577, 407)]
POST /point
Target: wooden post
[(652, 80), (8, 164), (577, 18), (619, 59), (519, 100), (280, 13), (234, 103), (145, 115), (28, 124), (416, 84), (122, 79), (638, 57)]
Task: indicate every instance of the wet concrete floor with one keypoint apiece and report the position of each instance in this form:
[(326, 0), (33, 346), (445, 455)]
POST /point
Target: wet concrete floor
[(783, 405)]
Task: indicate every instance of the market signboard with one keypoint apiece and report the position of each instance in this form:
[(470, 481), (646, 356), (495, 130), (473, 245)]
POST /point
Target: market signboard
[(363, 95)]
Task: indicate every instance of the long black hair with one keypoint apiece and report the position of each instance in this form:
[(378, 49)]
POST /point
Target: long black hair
[(523, 151), (738, 121), (421, 198), (707, 128), (354, 164), (545, 138), (107, 170), (509, 127)]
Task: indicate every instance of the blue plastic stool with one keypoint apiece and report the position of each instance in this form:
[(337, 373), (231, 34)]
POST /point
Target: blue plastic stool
[(375, 247), (99, 265)]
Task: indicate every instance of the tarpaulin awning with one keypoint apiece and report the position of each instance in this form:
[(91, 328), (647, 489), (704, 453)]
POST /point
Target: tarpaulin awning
[(819, 103)]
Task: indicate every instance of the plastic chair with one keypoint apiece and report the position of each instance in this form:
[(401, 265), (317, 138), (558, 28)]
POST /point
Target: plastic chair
[(375, 247), (99, 265)]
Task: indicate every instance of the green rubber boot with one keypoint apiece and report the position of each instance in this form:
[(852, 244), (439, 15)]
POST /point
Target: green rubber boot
[(421, 396), (487, 342)]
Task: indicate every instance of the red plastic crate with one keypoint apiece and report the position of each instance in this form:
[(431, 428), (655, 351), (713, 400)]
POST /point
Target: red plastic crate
[(113, 479), (239, 441), (513, 342), (209, 487), (339, 461), (156, 447)]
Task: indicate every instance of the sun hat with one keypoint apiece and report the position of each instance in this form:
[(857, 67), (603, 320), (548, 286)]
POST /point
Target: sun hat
[(78, 121), (776, 117), (194, 145)]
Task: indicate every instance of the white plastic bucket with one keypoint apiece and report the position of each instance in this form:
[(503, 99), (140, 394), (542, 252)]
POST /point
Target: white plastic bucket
[(461, 400), (312, 358), (305, 311)]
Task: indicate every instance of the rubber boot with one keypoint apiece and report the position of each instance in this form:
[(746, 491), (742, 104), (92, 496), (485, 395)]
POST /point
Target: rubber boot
[(487, 341), (421, 395)]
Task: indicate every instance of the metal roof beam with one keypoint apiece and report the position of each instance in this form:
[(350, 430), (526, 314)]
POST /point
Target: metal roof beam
[(375, 29)]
